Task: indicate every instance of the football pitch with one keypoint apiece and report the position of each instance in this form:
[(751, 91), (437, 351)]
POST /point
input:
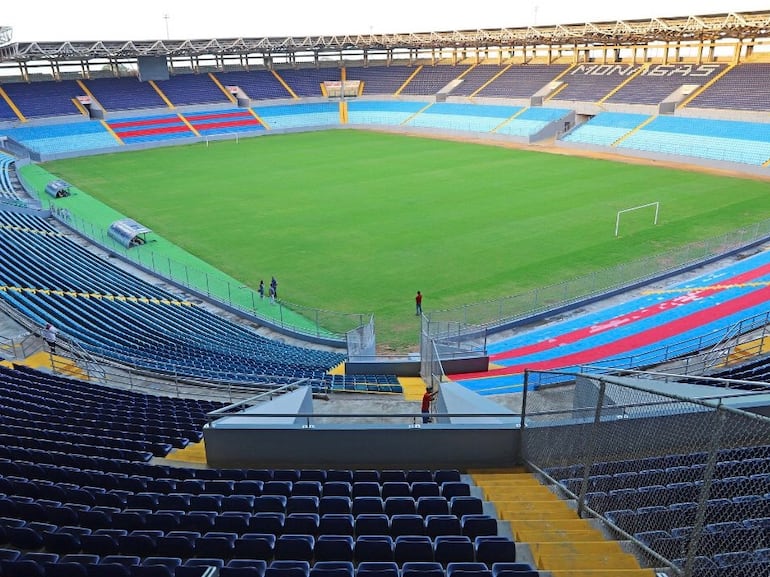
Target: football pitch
[(358, 221)]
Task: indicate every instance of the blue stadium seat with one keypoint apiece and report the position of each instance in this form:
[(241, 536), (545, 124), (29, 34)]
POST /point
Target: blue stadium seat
[(411, 548), (294, 547), (281, 568), (301, 524), (368, 504), (436, 525), (494, 549), (217, 544), (178, 543), (395, 489), (336, 524), (335, 504), (337, 489), (373, 548), (332, 569), (329, 547), (377, 569), (400, 505), (267, 522), (372, 524), (465, 505), (422, 569), (468, 569), (197, 567), (453, 549), (244, 568), (406, 524), (432, 506), (255, 546)]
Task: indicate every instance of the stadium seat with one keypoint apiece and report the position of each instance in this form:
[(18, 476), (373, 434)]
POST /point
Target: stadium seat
[(244, 568), (406, 524), (255, 546), (301, 524), (377, 569), (398, 505), (436, 525), (218, 544), (294, 547), (373, 548), (468, 569), (372, 524), (332, 569), (453, 549), (476, 525), (494, 549), (422, 569), (336, 524), (330, 547), (410, 548)]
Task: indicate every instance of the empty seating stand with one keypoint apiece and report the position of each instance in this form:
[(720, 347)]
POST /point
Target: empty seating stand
[(725, 140), (138, 533)]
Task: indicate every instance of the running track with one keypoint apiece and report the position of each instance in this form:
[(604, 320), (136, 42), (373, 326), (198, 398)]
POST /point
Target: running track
[(708, 303)]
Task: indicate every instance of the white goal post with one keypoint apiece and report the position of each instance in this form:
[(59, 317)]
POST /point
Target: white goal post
[(656, 204)]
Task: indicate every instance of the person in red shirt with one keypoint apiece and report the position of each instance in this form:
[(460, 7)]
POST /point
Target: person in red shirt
[(427, 399), (418, 302)]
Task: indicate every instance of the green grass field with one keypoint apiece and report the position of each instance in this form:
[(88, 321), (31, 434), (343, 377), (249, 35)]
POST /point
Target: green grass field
[(359, 221)]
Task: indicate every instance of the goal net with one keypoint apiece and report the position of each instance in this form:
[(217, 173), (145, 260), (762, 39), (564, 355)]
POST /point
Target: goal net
[(650, 205)]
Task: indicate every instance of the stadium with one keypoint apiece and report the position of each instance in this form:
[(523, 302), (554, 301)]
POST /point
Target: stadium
[(585, 393)]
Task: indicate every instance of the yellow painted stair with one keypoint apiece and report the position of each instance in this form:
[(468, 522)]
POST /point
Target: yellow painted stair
[(560, 541), (413, 387), (61, 365), (192, 453)]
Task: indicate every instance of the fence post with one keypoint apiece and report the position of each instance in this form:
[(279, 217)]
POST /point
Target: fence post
[(708, 475), (591, 449), (524, 411)]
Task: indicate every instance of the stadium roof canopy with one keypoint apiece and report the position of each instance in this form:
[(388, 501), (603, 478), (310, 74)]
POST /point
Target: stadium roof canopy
[(738, 26)]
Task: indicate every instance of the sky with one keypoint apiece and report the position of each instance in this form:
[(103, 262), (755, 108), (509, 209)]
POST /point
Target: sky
[(55, 20)]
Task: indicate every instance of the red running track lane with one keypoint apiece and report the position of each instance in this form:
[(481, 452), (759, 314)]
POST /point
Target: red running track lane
[(634, 341), (633, 316)]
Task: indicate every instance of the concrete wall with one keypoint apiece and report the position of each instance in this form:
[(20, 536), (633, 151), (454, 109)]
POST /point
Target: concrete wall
[(428, 446), (457, 401), (293, 437), (411, 367), (290, 405)]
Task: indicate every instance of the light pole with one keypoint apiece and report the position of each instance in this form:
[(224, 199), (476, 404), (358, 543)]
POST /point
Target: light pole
[(166, 17)]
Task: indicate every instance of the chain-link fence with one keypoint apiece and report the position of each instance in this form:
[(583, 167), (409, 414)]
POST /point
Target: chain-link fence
[(362, 342), (441, 340), (497, 314), (299, 320), (431, 370), (687, 481)]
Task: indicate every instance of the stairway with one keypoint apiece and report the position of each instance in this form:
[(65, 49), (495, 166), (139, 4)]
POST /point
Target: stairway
[(60, 365), (560, 541)]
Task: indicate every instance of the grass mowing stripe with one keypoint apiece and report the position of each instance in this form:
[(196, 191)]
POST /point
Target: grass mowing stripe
[(359, 221)]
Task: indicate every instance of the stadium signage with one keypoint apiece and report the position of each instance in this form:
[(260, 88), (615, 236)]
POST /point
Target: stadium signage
[(701, 70)]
